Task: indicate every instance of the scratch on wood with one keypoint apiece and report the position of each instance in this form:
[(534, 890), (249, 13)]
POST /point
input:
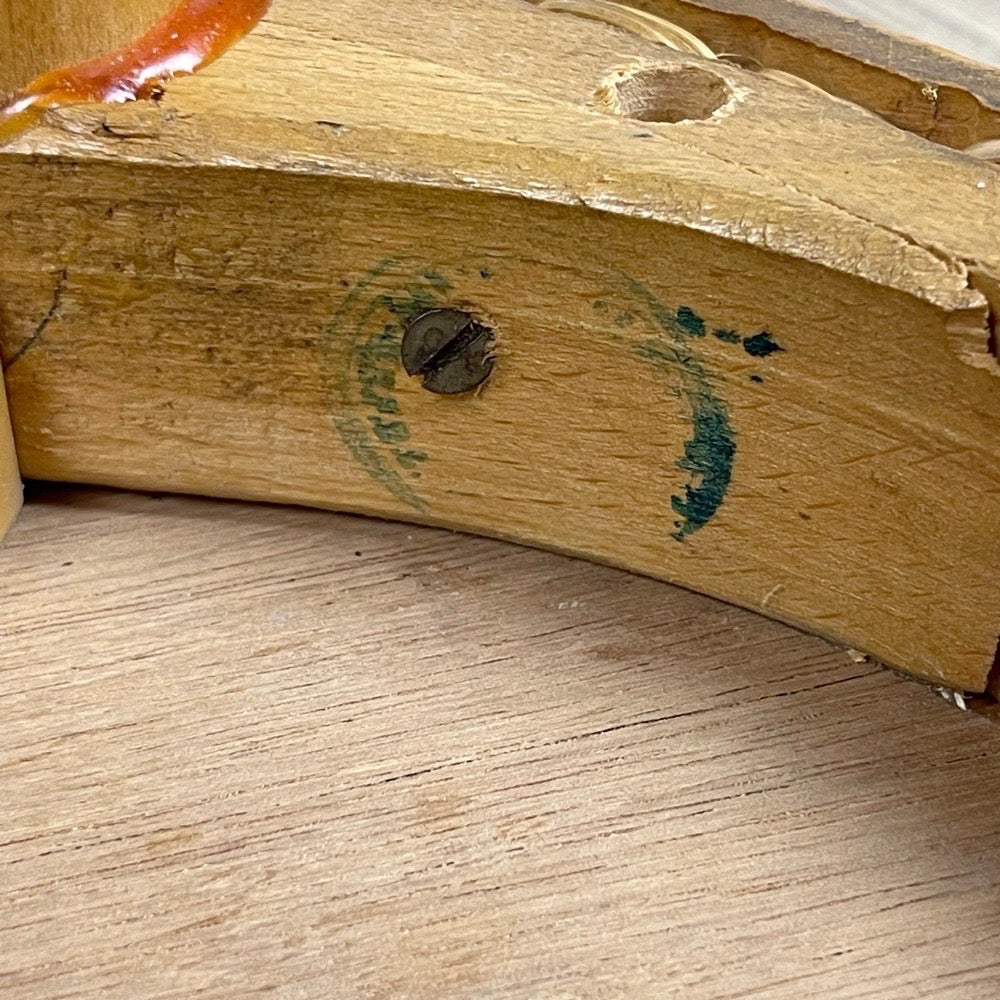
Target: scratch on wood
[(39, 330)]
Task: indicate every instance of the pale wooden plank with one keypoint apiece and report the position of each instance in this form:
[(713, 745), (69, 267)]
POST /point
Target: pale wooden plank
[(256, 751)]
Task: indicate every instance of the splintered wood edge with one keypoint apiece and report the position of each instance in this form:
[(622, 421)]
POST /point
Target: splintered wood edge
[(356, 148), (915, 86), (10, 479)]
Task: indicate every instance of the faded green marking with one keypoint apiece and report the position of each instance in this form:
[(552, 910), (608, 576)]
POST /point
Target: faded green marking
[(407, 308), (372, 320), (728, 336), (437, 281), (381, 346), (355, 435), (339, 380), (710, 452), (384, 404), (411, 458), (664, 317), (689, 322), (371, 365), (660, 354), (390, 431), (761, 345)]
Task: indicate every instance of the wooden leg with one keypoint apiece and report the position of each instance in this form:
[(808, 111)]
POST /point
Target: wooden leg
[(10, 480)]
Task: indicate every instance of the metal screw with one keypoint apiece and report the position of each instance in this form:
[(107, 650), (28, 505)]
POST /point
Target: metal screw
[(449, 349)]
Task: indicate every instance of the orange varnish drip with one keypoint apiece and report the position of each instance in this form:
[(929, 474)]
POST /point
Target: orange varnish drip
[(193, 34)]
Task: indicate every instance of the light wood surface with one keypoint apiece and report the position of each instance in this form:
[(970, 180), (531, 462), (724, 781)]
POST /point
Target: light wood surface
[(204, 294), (253, 751)]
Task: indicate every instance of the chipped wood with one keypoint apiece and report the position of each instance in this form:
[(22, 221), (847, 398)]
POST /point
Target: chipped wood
[(256, 751)]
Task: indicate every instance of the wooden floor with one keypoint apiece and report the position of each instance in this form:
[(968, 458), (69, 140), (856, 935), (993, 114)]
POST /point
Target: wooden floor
[(250, 751)]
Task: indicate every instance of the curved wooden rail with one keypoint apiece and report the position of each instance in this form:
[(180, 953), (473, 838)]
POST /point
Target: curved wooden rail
[(742, 330)]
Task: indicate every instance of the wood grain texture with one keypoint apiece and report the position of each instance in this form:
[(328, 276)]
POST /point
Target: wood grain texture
[(250, 751), (240, 760), (38, 35), (215, 267)]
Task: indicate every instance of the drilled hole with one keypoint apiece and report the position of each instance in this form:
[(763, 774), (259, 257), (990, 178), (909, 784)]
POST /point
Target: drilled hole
[(682, 94)]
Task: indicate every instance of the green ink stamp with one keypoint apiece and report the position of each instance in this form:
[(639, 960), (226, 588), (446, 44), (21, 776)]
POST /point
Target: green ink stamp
[(370, 322)]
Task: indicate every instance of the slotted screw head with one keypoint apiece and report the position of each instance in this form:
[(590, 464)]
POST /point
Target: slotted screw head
[(449, 350)]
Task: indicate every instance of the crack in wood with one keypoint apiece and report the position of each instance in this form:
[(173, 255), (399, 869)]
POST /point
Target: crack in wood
[(39, 330)]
